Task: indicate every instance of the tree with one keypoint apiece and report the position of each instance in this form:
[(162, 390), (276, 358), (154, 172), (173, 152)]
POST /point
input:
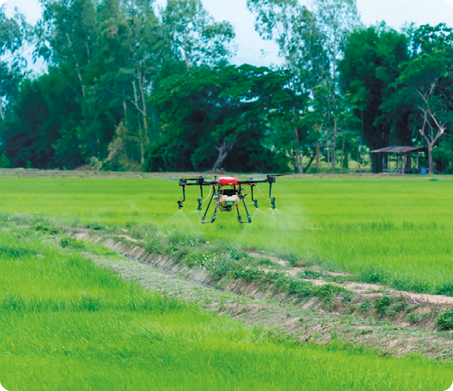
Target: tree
[(217, 109), (67, 35), (292, 27), (14, 33), (134, 48), (422, 76), (367, 71), (336, 20), (196, 38)]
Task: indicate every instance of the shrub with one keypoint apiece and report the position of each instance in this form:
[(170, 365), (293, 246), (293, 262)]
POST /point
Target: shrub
[(5, 162), (445, 320)]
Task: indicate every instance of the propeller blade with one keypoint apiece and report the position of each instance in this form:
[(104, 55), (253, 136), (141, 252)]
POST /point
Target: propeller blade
[(170, 179), (265, 176)]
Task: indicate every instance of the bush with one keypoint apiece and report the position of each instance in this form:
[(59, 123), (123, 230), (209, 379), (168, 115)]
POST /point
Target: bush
[(445, 320), (5, 162)]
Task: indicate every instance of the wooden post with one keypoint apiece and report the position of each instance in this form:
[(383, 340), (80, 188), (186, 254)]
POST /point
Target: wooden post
[(418, 160)]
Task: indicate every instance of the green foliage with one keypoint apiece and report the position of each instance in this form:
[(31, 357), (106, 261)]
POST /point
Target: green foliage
[(370, 64), (382, 305), (68, 242), (4, 161), (365, 306), (445, 320), (217, 116), (196, 39)]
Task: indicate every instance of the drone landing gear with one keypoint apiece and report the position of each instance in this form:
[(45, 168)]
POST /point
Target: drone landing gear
[(249, 218), (214, 216)]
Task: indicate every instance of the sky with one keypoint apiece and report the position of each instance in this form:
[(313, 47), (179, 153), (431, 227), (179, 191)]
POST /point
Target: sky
[(250, 47)]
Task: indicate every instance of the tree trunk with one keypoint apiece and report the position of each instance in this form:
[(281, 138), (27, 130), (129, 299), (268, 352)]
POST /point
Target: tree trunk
[(318, 152), (224, 150), (334, 145), (312, 158), (299, 163), (342, 154), (376, 162), (2, 114), (186, 52), (431, 162)]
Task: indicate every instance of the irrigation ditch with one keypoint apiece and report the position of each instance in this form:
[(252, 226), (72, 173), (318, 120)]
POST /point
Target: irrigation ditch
[(370, 316), (294, 301)]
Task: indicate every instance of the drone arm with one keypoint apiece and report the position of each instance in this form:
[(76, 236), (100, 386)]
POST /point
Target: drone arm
[(252, 181)]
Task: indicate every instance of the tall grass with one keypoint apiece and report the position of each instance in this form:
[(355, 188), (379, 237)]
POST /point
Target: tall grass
[(69, 325)]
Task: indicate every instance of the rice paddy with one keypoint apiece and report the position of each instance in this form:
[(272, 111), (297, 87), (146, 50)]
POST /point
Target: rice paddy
[(392, 230), (68, 324)]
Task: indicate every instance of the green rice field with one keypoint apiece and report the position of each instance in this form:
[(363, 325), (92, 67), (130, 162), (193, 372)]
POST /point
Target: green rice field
[(396, 231), (69, 325)]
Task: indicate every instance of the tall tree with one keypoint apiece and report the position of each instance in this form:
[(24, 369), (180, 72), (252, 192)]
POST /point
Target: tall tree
[(133, 47), (196, 38), (367, 71), (67, 34), (336, 20), (424, 78), (14, 33), (292, 27)]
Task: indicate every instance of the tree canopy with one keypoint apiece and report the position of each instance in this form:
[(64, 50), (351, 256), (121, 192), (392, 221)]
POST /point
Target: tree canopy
[(131, 85)]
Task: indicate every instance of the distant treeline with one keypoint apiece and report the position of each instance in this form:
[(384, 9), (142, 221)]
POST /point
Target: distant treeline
[(131, 86)]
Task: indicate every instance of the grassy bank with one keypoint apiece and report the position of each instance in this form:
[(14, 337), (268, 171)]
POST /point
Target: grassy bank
[(67, 324)]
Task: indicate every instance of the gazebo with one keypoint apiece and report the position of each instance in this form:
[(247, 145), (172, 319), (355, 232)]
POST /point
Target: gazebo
[(403, 157)]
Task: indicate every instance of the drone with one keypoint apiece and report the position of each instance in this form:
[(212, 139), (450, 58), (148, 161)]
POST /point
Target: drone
[(227, 193)]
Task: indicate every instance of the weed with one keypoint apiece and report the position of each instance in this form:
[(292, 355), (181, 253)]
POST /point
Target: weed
[(364, 332), (347, 296), (382, 305), (416, 317), (445, 320), (69, 242), (365, 306)]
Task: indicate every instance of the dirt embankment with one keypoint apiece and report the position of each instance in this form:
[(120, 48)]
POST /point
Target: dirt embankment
[(407, 326)]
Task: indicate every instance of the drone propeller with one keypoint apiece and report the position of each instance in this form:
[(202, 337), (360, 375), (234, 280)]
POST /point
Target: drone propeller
[(170, 179), (264, 176)]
